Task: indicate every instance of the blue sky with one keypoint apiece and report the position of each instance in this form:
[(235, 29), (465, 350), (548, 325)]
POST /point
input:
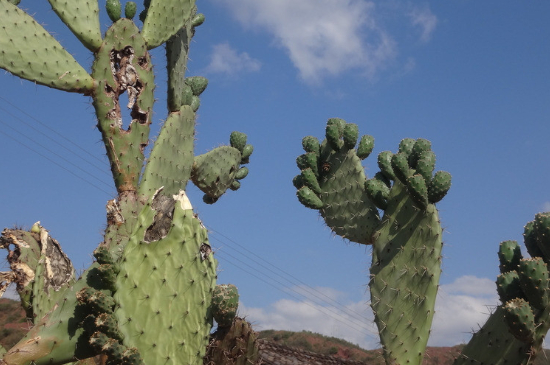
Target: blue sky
[(473, 77)]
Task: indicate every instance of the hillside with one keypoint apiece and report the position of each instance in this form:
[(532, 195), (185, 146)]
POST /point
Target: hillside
[(13, 326)]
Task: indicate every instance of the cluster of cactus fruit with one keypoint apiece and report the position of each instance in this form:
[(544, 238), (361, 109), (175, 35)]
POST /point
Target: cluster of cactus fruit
[(395, 212), (151, 294), (150, 297)]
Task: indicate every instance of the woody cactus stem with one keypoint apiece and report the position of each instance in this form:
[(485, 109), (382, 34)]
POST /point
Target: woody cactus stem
[(515, 331), (406, 240), (147, 297)]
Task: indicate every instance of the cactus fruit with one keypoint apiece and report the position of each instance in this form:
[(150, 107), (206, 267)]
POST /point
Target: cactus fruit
[(225, 301), (406, 241), (147, 298)]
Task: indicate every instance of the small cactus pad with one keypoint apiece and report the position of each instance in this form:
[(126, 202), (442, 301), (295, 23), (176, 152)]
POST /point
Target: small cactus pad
[(225, 301), (508, 286), (533, 278), (27, 50), (82, 17), (166, 17), (509, 255), (439, 186), (114, 9), (520, 319)]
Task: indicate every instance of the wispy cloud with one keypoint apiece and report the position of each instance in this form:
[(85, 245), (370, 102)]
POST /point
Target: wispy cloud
[(461, 307), (228, 61), (321, 37), (546, 207), (424, 19)]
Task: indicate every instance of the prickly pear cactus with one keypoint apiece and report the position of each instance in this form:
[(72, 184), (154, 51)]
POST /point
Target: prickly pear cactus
[(147, 297), (407, 236), (515, 331)]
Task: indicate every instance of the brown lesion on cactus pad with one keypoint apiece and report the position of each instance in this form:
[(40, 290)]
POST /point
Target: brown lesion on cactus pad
[(164, 206)]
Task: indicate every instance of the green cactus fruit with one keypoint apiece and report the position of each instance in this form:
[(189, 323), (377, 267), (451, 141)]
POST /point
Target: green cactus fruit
[(350, 135), (308, 160), (130, 9), (246, 153), (426, 164), (225, 301), (198, 20), (416, 186), (103, 256), (30, 52), (114, 9), (533, 278), (197, 83), (509, 255), (195, 103), (520, 319), (308, 198), (241, 173), (334, 131), (237, 140), (406, 146), (235, 185), (108, 274), (439, 186), (107, 324), (421, 145), (530, 240), (310, 180), (365, 147), (542, 229), (405, 271), (311, 144), (400, 166), (378, 192), (508, 286), (384, 163), (95, 301)]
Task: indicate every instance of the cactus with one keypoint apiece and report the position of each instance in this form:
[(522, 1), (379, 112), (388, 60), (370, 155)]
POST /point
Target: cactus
[(407, 238), (515, 331), (147, 297)]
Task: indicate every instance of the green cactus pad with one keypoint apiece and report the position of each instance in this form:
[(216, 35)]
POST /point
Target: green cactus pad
[(508, 286), (378, 192), (310, 180), (420, 146), (311, 144), (237, 140), (242, 173), (520, 319), (400, 166), (365, 147), (309, 160), (177, 50), (541, 226), (425, 165), (533, 278), (439, 186), (385, 165), (83, 20), (418, 190), (246, 153), (171, 159), (130, 10), (165, 18), (530, 240), (122, 65), (350, 135), (406, 146), (198, 20), (509, 255), (27, 50), (214, 171), (114, 9), (197, 83), (225, 301), (405, 273), (165, 287), (333, 134), (308, 198)]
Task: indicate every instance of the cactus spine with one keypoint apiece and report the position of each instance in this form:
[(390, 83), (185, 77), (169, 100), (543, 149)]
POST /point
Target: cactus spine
[(147, 298)]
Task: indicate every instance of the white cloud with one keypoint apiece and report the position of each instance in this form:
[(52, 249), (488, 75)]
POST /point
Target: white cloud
[(461, 307), (322, 37), (226, 60), (425, 20)]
